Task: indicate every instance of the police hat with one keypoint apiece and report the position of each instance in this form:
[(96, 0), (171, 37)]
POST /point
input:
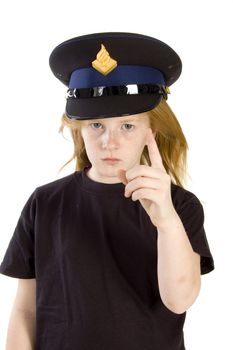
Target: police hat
[(114, 74)]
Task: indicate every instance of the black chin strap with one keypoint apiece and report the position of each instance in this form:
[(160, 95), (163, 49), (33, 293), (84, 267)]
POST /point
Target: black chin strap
[(131, 89)]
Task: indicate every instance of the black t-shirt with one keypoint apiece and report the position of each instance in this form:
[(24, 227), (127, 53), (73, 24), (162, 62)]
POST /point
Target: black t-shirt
[(93, 253)]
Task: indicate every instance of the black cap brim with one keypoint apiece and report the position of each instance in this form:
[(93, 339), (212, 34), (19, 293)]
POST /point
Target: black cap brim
[(111, 106)]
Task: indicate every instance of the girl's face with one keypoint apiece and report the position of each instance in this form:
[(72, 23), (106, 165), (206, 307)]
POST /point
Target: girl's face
[(123, 138)]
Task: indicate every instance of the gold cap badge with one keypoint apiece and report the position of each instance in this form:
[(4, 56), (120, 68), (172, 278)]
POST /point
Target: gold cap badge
[(104, 63)]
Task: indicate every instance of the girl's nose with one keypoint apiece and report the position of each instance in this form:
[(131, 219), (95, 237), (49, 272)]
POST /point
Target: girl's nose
[(110, 140)]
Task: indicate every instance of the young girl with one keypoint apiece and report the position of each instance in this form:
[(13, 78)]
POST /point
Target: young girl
[(114, 252)]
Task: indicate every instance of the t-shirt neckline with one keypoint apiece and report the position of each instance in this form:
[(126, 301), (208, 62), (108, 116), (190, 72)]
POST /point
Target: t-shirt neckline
[(95, 186)]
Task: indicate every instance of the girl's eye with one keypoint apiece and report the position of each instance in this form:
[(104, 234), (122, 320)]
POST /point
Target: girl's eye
[(93, 124), (131, 126)]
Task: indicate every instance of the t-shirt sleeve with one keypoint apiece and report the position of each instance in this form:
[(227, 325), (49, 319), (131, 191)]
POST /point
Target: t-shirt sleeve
[(192, 216), (19, 259)]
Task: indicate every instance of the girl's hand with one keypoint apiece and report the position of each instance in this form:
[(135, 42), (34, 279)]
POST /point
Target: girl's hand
[(151, 185)]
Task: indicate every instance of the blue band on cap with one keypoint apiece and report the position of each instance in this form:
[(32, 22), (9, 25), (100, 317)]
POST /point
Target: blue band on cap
[(121, 75)]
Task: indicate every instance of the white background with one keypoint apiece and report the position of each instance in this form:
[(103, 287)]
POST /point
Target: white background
[(32, 102)]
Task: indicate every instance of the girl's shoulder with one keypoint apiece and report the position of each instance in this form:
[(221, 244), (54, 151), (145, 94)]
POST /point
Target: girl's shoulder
[(182, 196), (55, 188)]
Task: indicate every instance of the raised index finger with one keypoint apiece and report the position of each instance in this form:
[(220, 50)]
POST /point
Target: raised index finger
[(154, 154)]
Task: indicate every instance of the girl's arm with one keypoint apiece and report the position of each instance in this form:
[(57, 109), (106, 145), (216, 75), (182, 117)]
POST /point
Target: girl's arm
[(22, 324), (179, 274)]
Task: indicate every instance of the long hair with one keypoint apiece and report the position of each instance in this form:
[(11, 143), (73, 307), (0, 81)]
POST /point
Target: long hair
[(169, 137)]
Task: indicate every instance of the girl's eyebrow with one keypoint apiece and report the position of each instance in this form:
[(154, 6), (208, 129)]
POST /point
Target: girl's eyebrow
[(132, 119)]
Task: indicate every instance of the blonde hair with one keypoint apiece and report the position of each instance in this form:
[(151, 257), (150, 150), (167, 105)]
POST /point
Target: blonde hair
[(169, 137)]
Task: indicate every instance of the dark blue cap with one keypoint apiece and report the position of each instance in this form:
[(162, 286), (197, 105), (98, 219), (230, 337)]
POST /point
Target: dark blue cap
[(114, 74)]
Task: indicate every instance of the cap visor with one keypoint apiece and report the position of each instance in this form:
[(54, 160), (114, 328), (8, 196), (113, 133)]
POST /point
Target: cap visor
[(110, 106)]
